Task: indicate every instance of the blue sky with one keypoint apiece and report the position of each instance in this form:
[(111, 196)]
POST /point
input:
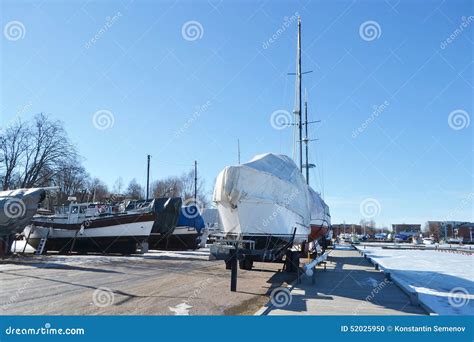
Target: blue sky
[(408, 157)]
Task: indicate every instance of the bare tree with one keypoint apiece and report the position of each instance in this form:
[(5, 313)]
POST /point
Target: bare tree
[(168, 187), (98, 190), (134, 190), (12, 145), (118, 186), (33, 154), (181, 187)]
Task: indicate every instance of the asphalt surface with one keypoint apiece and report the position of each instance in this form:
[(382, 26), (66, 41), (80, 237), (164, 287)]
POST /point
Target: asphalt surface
[(157, 283)]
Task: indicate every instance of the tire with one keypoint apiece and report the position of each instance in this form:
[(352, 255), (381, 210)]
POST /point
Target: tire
[(292, 261), (246, 264)]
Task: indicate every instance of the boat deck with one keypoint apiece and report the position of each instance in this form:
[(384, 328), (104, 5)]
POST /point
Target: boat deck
[(349, 286)]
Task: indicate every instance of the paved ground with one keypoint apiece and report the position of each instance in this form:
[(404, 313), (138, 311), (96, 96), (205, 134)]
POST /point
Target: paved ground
[(158, 283), (349, 286)]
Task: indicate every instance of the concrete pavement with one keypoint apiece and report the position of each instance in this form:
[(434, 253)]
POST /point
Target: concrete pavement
[(349, 286)]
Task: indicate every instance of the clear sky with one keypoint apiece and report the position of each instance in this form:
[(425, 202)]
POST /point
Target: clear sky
[(184, 80)]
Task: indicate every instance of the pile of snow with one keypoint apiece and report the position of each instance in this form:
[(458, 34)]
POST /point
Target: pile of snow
[(444, 282)]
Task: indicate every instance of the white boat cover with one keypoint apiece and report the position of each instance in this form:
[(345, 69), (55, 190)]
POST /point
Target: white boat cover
[(272, 179)]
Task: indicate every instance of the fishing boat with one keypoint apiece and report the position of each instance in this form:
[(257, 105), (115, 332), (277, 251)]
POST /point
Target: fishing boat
[(90, 227)]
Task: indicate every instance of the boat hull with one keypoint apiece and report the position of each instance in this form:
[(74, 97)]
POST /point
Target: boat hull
[(262, 222), (123, 236), (182, 238)]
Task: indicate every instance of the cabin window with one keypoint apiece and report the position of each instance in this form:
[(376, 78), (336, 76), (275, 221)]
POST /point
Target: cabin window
[(74, 210), (82, 209)]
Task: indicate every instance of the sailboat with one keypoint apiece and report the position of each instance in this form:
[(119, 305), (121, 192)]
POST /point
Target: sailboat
[(268, 200)]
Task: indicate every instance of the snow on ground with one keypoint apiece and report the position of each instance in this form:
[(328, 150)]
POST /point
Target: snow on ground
[(343, 246), (443, 281), (53, 260)]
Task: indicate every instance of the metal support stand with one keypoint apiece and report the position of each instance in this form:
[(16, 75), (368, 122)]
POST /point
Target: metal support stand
[(73, 242), (27, 239), (233, 271)]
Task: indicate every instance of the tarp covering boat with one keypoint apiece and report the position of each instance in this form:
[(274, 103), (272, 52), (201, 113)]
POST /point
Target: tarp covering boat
[(17, 207), (268, 196), (190, 216)]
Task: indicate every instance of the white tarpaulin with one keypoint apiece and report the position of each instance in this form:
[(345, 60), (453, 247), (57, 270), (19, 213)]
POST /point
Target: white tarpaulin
[(268, 181)]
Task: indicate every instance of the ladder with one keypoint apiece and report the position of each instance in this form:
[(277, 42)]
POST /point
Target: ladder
[(41, 245)]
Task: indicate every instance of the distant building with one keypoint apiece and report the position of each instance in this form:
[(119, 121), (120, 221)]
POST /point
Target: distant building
[(406, 228), (465, 231), (446, 230), (346, 229)]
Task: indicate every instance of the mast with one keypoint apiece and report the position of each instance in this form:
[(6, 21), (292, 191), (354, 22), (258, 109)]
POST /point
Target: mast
[(195, 180), (306, 138), (298, 111), (148, 177)]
